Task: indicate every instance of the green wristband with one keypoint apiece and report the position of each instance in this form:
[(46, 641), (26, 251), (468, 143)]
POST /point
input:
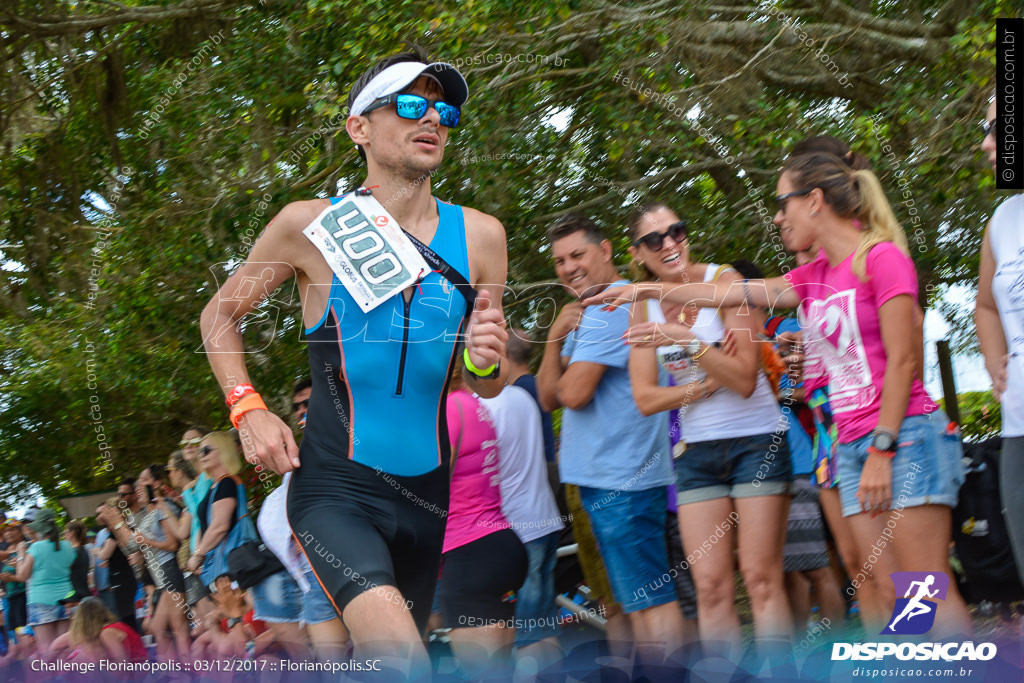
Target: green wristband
[(487, 373)]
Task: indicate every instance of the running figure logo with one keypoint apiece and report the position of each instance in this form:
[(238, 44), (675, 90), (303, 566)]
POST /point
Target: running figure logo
[(914, 613)]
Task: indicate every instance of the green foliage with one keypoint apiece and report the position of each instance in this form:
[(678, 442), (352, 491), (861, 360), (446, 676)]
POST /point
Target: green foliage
[(200, 109), (981, 415)]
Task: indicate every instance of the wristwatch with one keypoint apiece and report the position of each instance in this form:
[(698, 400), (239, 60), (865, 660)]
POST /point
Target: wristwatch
[(692, 347), (883, 441), (234, 621)]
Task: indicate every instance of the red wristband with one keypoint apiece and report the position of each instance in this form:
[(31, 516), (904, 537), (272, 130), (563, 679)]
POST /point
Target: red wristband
[(238, 392), (885, 454)]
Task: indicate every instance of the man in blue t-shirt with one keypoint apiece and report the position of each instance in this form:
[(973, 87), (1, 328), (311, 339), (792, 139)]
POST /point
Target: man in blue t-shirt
[(620, 460)]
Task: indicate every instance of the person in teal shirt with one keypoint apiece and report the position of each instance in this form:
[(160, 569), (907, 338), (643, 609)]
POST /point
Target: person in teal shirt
[(48, 564)]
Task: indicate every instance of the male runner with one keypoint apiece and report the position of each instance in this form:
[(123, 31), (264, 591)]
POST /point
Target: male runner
[(372, 472)]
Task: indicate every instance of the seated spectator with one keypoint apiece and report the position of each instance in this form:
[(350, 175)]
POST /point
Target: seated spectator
[(230, 626), (96, 634)]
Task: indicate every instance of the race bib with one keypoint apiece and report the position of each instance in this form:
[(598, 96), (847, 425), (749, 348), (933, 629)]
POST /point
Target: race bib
[(367, 249), (678, 363)]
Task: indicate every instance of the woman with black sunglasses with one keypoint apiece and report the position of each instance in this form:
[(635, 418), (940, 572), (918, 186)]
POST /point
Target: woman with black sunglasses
[(725, 467), (158, 539)]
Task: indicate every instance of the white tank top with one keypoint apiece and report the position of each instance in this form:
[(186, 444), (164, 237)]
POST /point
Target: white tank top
[(725, 414), (1006, 238)]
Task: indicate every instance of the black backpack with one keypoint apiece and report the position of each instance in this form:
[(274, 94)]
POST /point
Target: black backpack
[(979, 530)]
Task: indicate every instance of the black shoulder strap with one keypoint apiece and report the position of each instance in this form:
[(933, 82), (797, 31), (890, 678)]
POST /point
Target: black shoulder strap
[(447, 271)]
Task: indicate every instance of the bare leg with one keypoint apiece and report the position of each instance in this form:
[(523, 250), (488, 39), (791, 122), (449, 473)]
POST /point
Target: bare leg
[(872, 610), (798, 590), (761, 537), (477, 650), (159, 625), (382, 627), (329, 638), (920, 538), (45, 635), (618, 631), (658, 631), (292, 638), (712, 570), (826, 591)]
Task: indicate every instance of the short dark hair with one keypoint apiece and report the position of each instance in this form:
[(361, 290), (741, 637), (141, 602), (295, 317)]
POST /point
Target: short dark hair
[(414, 54), (159, 473), (127, 481), (519, 346), (573, 223), (77, 530), (302, 384)]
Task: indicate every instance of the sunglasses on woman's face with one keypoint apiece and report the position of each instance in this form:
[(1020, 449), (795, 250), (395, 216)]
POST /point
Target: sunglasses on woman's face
[(301, 404), (655, 241), (414, 107), (988, 128), (191, 442), (783, 199), (206, 450)]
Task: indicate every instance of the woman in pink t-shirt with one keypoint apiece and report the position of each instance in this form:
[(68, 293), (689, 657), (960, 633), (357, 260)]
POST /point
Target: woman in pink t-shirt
[(484, 562), (899, 463)]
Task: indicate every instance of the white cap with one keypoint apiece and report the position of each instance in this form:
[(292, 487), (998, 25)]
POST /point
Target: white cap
[(398, 76)]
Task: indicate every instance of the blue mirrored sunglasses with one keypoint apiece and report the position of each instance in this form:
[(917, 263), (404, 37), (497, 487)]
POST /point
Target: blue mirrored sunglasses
[(415, 107)]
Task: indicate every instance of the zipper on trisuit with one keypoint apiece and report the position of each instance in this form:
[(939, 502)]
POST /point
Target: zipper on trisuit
[(405, 341)]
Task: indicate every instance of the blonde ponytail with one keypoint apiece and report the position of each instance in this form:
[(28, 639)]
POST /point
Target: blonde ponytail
[(879, 222)]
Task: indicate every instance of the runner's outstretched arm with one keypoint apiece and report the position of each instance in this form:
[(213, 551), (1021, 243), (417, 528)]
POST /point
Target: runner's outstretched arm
[(274, 259)]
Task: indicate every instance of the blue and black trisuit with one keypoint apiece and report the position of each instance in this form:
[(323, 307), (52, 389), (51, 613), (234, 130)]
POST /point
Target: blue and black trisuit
[(372, 486)]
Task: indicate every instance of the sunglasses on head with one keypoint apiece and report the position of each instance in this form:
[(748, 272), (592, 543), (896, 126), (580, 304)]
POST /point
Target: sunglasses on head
[(782, 199), (656, 240), (301, 404), (415, 108), (191, 442), (988, 128)]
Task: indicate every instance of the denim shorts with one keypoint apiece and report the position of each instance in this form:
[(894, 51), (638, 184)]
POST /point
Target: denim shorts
[(277, 599), (536, 611), (45, 614), (316, 606), (630, 530), (926, 470), (741, 467)]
